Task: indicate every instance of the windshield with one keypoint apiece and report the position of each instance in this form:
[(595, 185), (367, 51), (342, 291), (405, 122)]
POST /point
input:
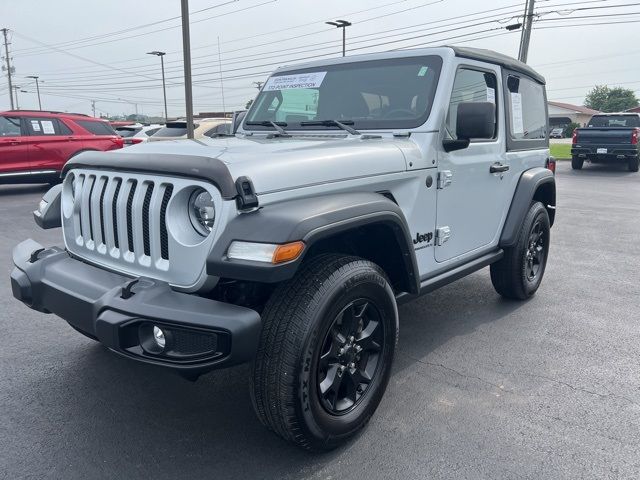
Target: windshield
[(391, 93), (174, 129), (614, 121)]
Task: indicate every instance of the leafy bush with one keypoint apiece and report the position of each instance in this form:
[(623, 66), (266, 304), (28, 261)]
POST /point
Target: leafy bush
[(568, 130)]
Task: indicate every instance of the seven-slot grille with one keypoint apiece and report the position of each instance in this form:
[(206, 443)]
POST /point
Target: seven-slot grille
[(119, 216)]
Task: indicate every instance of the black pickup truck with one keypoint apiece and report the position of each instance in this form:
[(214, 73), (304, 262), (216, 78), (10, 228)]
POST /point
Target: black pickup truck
[(608, 137)]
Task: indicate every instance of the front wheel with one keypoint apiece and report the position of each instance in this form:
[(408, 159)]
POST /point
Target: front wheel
[(519, 273), (325, 353)]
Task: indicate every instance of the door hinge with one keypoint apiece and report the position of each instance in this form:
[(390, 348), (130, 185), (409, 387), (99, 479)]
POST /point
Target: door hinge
[(444, 179), (442, 235)]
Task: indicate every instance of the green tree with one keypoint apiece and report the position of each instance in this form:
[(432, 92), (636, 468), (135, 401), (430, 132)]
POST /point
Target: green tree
[(606, 99), (568, 130), (248, 105)]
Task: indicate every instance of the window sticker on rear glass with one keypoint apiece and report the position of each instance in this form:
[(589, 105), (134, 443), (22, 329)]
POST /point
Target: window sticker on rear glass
[(35, 125), (298, 80), (47, 127), (517, 124), (423, 71), (491, 95)]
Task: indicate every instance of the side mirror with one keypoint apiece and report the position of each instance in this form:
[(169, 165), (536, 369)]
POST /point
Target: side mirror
[(48, 213), (238, 117), (474, 120)]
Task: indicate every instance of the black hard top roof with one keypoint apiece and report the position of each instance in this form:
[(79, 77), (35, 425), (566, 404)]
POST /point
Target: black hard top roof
[(490, 56)]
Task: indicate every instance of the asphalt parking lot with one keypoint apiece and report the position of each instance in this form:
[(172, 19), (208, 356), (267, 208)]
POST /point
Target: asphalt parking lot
[(482, 387)]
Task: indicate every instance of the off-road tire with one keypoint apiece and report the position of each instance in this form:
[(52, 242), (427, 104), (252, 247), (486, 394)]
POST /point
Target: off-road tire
[(510, 275), (576, 163), (633, 164), (296, 321)]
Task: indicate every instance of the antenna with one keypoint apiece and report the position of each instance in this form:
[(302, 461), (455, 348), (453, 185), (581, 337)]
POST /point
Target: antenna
[(224, 108)]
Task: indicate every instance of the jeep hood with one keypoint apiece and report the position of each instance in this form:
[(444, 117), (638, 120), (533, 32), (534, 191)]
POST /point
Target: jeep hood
[(284, 163)]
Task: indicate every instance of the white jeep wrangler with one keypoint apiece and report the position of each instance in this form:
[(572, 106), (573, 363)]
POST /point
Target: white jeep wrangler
[(352, 184)]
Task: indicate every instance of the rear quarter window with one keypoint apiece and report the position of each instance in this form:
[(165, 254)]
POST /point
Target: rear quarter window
[(96, 127)]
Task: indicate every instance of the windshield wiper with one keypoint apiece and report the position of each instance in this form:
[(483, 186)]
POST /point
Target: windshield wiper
[(277, 125), (344, 125)]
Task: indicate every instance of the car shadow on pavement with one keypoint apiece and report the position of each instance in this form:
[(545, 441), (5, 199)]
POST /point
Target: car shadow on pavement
[(602, 169), (15, 189), (116, 418)]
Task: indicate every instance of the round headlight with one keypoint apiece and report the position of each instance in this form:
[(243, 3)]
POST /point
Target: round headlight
[(202, 211)]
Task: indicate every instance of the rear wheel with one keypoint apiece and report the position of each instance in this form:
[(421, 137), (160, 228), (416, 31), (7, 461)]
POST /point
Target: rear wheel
[(576, 163), (325, 352), (633, 164), (519, 274)]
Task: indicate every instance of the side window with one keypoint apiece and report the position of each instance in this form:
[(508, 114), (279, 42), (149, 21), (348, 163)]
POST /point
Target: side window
[(63, 129), (10, 127), (151, 131), (46, 127), (470, 86), (527, 112), (97, 127)]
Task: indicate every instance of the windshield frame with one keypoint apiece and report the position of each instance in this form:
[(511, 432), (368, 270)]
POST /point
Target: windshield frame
[(434, 62)]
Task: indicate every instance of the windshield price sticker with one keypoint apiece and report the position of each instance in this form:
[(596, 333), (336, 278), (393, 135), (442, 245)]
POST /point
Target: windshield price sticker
[(299, 80), (491, 95), (35, 124)]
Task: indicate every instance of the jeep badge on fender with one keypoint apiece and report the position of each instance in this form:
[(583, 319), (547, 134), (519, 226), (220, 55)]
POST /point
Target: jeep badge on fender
[(288, 243)]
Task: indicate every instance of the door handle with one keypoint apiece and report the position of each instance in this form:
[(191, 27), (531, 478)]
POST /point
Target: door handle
[(498, 168)]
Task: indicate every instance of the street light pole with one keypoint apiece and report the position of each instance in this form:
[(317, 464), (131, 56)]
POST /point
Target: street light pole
[(35, 77), (164, 87), (16, 88), (343, 24), (186, 54)]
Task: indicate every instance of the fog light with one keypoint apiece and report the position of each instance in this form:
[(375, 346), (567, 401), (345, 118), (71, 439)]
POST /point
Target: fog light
[(158, 336)]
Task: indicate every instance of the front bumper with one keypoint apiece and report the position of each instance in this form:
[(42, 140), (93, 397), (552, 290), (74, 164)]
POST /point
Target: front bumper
[(118, 311)]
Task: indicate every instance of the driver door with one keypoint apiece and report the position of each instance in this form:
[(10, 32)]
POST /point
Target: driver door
[(470, 208)]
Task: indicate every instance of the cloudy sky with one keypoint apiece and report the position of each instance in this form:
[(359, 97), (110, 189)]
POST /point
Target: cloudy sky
[(88, 50)]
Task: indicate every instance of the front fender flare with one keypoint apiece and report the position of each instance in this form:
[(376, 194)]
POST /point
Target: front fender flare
[(310, 220)]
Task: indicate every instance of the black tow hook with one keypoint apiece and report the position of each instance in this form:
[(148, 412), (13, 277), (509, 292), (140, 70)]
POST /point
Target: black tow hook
[(34, 255), (126, 290)]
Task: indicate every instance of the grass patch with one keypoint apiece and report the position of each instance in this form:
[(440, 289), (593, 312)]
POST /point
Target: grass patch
[(560, 150)]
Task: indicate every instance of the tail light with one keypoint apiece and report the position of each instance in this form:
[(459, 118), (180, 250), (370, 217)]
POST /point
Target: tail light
[(574, 137), (118, 142), (551, 164), (132, 141), (634, 136)]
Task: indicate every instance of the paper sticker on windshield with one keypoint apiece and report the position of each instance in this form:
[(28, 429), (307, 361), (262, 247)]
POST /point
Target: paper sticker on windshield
[(423, 71), (298, 80), (516, 113), (491, 95), (35, 125), (47, 127)]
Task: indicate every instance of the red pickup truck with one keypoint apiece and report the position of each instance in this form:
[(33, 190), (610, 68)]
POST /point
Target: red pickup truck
[(34, 145)]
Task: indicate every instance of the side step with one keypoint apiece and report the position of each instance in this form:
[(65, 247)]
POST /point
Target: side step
[(433, 283)]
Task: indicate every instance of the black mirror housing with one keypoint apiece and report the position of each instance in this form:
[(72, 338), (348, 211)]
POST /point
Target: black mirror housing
[(476, 120)]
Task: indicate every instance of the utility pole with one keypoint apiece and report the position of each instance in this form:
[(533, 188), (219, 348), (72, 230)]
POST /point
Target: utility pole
[(343, 24), (224, 108), (164, 88), (9, 72), (93, 107), (35, 77), (186, 54), (258, 85), (526, 31)]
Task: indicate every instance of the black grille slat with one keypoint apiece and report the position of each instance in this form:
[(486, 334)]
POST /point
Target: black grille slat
[(104, 189), (145, 220), (130, 216), (164, 237), (114, 213)]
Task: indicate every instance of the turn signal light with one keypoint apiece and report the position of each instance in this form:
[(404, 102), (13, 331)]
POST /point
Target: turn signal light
[(287, 252)]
